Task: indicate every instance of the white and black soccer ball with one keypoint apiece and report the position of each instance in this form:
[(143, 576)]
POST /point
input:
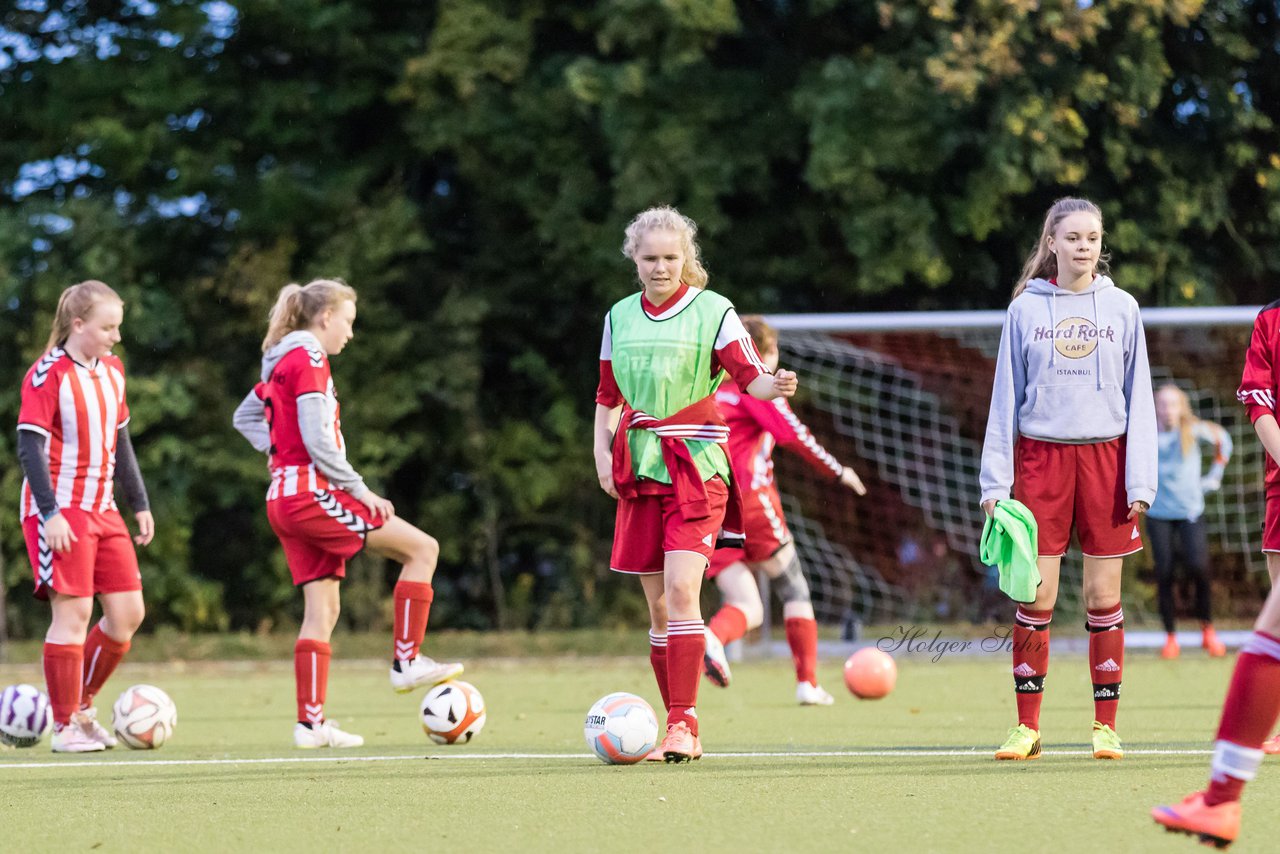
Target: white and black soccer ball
[(621, 728), (144, 717), (25, 715), (453, 713)]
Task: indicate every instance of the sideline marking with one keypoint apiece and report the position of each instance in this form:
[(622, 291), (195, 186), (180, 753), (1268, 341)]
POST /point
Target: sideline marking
[(983, 754)]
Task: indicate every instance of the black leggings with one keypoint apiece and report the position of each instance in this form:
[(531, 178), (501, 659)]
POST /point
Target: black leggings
[(1194, 551)]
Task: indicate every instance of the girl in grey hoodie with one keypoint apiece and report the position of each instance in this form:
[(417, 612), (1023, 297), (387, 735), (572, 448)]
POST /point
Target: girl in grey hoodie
[(320, 507), (1072, 433)]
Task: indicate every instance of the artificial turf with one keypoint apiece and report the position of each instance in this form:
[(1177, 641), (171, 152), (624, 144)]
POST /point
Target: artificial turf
[(912, 772)]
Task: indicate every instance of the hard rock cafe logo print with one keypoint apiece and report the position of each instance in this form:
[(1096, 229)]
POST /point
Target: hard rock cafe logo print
[(1075, 337)]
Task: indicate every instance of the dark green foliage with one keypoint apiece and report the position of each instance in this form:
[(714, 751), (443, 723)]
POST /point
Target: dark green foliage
[(469, 166)]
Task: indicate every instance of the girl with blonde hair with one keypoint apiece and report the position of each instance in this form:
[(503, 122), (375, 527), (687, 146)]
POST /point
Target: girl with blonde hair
[(320, 507), (660, 446), (1175, 516), (73, 446)]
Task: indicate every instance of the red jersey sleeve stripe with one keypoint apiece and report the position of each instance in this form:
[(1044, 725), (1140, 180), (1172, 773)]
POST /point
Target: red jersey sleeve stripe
[(742, 361), (808, 446)]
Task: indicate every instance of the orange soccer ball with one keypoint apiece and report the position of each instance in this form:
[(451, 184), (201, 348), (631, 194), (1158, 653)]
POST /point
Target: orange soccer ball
[(870, 673)]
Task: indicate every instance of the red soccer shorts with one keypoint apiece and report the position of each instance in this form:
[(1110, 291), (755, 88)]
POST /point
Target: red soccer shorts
[(101, 560), (649, 526), (1271, 532), (320, 531), (766, 531), (1062, 483)]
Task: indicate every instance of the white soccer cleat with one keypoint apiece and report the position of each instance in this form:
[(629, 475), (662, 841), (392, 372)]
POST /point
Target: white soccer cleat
[(715, 664), (421, 671), (73, 739), (324, 734), (87, 720), (812, 695)]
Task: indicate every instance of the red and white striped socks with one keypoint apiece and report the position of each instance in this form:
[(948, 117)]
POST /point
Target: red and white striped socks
[(1106, 660), (311, 672), (102, 654), (413, 607), (686, 645), (1248, 716)]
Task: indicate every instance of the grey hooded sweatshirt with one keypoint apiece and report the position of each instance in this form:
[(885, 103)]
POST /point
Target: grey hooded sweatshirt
[(315, 420), (1072, 368)]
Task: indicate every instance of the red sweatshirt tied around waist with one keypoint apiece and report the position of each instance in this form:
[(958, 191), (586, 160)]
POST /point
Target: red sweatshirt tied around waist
[(701, 421)]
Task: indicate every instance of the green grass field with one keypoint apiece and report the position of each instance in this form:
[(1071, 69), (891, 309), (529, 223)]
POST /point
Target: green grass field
[(912, 772)]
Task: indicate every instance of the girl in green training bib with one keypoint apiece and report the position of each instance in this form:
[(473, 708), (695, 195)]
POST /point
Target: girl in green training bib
[(665, 351)]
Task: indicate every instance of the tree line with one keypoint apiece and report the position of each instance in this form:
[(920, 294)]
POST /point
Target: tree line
[(468, 166)]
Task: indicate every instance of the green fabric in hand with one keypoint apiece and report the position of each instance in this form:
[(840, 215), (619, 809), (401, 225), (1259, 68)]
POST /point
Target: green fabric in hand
[(1009, 538)]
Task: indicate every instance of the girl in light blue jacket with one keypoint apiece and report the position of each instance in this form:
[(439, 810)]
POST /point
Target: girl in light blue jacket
[(1176, 515)]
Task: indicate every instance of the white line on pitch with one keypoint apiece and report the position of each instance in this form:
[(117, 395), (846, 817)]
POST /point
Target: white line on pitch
[(811, 754)]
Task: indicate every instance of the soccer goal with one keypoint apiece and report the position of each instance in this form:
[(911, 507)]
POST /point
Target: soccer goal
[(903, 398)]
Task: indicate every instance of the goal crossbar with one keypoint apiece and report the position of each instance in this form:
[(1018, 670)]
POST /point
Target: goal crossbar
[(903, 321)]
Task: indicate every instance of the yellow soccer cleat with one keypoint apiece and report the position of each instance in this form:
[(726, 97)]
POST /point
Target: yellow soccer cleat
[(1023, 743), (1106, 744)]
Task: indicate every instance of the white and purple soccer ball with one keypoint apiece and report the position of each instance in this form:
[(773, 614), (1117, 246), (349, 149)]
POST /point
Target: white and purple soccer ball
[(25, 715), (621, 729)]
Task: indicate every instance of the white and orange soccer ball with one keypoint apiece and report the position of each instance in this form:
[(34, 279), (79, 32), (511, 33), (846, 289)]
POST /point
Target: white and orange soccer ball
[(25, 715), (453, 713), (144, 717), (621, 729)]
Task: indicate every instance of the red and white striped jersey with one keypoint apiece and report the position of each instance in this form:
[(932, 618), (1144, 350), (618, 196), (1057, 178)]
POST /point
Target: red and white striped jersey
[(78, 410), (756, 427), (303, 371), (1258, 384)]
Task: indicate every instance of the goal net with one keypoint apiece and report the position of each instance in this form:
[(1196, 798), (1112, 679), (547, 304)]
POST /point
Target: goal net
[(903, 398)]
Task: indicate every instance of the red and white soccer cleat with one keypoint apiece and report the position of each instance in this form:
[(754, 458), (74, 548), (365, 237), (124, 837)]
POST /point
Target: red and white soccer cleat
[(1170, 649), (715, 664), (324, 734), (1272, 745), (73, 739), (1215, 825), (87, 720), (421, 671), (680, 745)]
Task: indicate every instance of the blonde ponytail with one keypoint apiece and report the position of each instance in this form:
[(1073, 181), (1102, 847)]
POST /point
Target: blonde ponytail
[(298, 305), (77, 302)]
